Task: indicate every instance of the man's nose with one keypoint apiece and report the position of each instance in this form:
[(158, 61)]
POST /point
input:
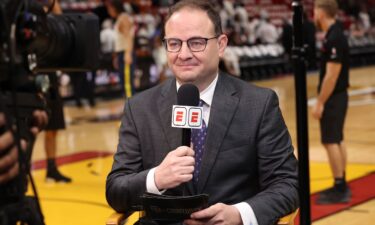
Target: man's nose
[(185, 52)]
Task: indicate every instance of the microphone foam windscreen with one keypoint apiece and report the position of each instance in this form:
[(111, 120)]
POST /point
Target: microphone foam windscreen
[(188, 94)]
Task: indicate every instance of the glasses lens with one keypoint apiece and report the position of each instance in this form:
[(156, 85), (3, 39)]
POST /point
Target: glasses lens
[(174, 45), (197, 44)]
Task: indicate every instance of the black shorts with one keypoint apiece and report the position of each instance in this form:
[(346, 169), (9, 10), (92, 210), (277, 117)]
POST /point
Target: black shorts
[(56, 116), (333, 118), (55, 106)]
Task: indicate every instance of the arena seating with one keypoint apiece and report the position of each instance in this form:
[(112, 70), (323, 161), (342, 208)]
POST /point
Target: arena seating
[(259, 62)]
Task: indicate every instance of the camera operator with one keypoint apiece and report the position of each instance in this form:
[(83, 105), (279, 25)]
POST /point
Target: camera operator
[(32, 42), (9, 159)]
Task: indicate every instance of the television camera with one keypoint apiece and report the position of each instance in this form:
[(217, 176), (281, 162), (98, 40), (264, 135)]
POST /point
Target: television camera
[(34, 41)]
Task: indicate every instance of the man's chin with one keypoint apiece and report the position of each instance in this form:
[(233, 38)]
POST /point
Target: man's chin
[(186, 77)]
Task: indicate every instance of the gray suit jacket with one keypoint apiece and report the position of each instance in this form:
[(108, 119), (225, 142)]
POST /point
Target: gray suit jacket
[(248, 153)]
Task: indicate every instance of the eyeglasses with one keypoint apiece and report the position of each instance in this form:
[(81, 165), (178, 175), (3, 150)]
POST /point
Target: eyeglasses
[(195, 44)]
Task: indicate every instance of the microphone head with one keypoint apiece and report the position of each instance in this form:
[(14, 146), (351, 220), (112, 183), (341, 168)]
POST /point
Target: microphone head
[(188, 94)]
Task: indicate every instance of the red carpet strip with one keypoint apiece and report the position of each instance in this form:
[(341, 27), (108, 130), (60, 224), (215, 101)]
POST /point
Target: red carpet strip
[(76, 157), (363, 190)]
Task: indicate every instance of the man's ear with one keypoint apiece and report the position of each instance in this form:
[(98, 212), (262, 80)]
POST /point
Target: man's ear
[(223, 42)]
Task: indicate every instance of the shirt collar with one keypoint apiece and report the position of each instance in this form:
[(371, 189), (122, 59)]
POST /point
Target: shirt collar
[(207, 94)]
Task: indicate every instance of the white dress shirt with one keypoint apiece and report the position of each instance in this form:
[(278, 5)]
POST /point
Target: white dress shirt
[(246, 212)]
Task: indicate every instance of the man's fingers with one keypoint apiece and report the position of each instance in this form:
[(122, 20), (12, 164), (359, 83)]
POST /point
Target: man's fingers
[(180, 170), (183, 151), (6, 140), (9, 159), (187, 161), (187, 170), (206, 213), (186, 178), (40, 118), (11, 173), (2, 119), (190, 152), (40, 121), (176, 168)]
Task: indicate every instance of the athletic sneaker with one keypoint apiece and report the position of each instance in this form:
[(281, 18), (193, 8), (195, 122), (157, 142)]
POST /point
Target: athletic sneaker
[(334, 196), (55, 176)]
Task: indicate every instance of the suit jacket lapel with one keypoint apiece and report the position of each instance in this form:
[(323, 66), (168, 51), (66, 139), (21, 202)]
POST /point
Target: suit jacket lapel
[(224, 105), (167, 99)]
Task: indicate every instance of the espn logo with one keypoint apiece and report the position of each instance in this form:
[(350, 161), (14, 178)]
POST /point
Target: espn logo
[(187, 117)]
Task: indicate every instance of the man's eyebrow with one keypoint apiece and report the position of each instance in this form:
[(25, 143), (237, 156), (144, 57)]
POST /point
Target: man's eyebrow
[(185, 39), (197, 37)]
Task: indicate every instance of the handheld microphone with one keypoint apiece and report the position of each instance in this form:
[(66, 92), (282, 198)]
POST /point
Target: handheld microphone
[(187, 115), (184, 116)]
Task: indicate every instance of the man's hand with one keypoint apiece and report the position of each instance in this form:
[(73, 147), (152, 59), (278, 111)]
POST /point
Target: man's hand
[(8, 154), (9, 166), (317, 110), (176, 168), (216, 214), (40, 121)]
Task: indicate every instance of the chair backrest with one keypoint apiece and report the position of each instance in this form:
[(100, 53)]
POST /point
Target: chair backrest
[(288, 219)]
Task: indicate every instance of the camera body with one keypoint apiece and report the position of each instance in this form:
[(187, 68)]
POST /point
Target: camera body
[(41, 42)]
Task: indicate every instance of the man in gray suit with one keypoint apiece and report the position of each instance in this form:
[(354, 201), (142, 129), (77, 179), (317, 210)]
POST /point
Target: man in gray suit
[(247, 168)]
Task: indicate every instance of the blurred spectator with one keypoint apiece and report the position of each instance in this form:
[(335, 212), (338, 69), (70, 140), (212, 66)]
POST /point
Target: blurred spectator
[(251, 28), (107, 37), (228, 7), (230, 63), (124, 38), (364, 18), (148, 22), (286, 38), (239, 34), (144, 70), (83, 87), (241, 12), (224, 15), (266, 32), (237, 25), (309, 41), (160, 58), (107, 45), (101, 11), (356, 30), (351, 7), (142, 31)]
